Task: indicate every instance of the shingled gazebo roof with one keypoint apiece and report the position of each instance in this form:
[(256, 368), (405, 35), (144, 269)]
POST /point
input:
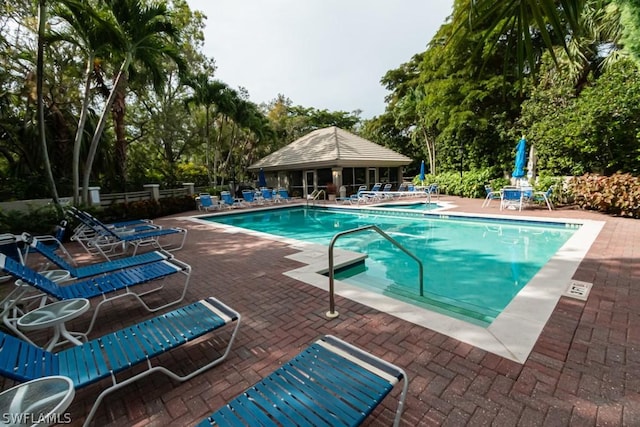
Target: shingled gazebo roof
[(330, 147)]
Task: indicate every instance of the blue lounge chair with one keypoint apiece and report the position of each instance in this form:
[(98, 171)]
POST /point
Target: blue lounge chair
[(359, 197), (249, 197), (330, 383), (283, 194), (89, 222), (228, 200), (108, 287), (105, 241), (267, 194), (206, 202), (386, 191), (132, 223), (9, 248), (37, 245), (120, 352)]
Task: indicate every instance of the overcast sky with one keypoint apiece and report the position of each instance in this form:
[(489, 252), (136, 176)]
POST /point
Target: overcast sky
[(325, 54)]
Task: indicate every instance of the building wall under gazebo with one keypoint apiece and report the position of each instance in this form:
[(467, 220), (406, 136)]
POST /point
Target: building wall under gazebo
[(302, 182)]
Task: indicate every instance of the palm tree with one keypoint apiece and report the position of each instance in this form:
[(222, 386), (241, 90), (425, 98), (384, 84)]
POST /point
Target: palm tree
[(147, 38), (551, 20), (226, 107), (42, 22), (596, 47), (206, 93), (557, 22), (93, 35)]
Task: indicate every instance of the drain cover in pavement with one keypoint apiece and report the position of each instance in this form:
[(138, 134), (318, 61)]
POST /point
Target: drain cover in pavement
[(578, 289)]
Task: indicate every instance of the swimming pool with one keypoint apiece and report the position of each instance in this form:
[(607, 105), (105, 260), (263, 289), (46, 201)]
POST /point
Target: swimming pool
[(473, 267)]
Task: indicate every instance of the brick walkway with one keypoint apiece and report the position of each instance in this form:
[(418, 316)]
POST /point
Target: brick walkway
[(583, 371)]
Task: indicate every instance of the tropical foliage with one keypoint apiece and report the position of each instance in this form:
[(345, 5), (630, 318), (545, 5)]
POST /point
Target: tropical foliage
[(128, 97), (559, 73)]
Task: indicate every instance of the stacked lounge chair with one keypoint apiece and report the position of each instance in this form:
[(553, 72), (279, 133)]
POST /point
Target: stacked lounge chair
[(99, 238)]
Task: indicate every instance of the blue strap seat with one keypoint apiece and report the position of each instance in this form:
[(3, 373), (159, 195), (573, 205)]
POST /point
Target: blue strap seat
[(96, 236), (85, 271), (120, 351), (329, 383), (109, 287)]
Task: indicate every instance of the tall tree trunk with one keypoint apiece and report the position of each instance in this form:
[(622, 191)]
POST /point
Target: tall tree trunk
[(431, 152), (99, 129), (42, 20), (229, 161), (216, 157), (77, 142), (208, 146), (119, 110)]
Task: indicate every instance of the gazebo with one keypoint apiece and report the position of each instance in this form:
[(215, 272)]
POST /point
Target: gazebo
[(331, 156)]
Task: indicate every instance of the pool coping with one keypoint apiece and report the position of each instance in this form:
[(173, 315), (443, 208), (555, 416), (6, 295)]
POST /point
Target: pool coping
[(511, 335)]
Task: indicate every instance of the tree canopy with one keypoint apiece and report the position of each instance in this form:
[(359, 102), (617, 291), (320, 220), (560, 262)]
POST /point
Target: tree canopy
[(128, 97)]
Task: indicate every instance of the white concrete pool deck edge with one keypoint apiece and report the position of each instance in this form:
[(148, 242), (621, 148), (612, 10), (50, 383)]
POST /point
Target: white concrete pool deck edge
[(511, 335)]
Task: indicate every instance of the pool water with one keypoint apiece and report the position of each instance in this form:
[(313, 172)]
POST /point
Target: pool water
[(418, 206), (473, 267)]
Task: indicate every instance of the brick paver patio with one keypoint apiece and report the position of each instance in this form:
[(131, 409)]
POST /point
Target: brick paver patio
[(583, 371)]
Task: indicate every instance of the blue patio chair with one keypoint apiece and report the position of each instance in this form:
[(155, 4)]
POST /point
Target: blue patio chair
[(330, 383), (434, 189), (544, 196), (106, 241), (107, 287), (283, 194), (249, 197), (36, 244), (228, 201), (412, 191), (131, 350), (207, 202), (267, 195), (511, 198), (490, 195)]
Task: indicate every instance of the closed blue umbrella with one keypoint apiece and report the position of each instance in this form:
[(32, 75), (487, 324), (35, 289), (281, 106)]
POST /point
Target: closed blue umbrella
[(521, 159), (422, 172), (262, 180)]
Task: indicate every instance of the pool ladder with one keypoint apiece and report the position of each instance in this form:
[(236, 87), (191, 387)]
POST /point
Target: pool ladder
[(315, 195), (332, 313)]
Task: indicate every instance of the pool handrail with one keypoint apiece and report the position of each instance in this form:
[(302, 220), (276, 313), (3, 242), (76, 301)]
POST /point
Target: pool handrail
[(332, 303)]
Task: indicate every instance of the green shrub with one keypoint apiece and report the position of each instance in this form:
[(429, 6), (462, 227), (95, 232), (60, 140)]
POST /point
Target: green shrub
[(146, 209), (618, 194), (43, 220), (471, 184)]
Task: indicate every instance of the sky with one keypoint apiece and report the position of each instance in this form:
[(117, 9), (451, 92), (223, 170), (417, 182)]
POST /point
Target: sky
[(323, 54)]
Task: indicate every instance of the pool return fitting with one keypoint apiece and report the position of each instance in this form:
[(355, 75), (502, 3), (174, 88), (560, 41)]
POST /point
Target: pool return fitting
[(332, 313)]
